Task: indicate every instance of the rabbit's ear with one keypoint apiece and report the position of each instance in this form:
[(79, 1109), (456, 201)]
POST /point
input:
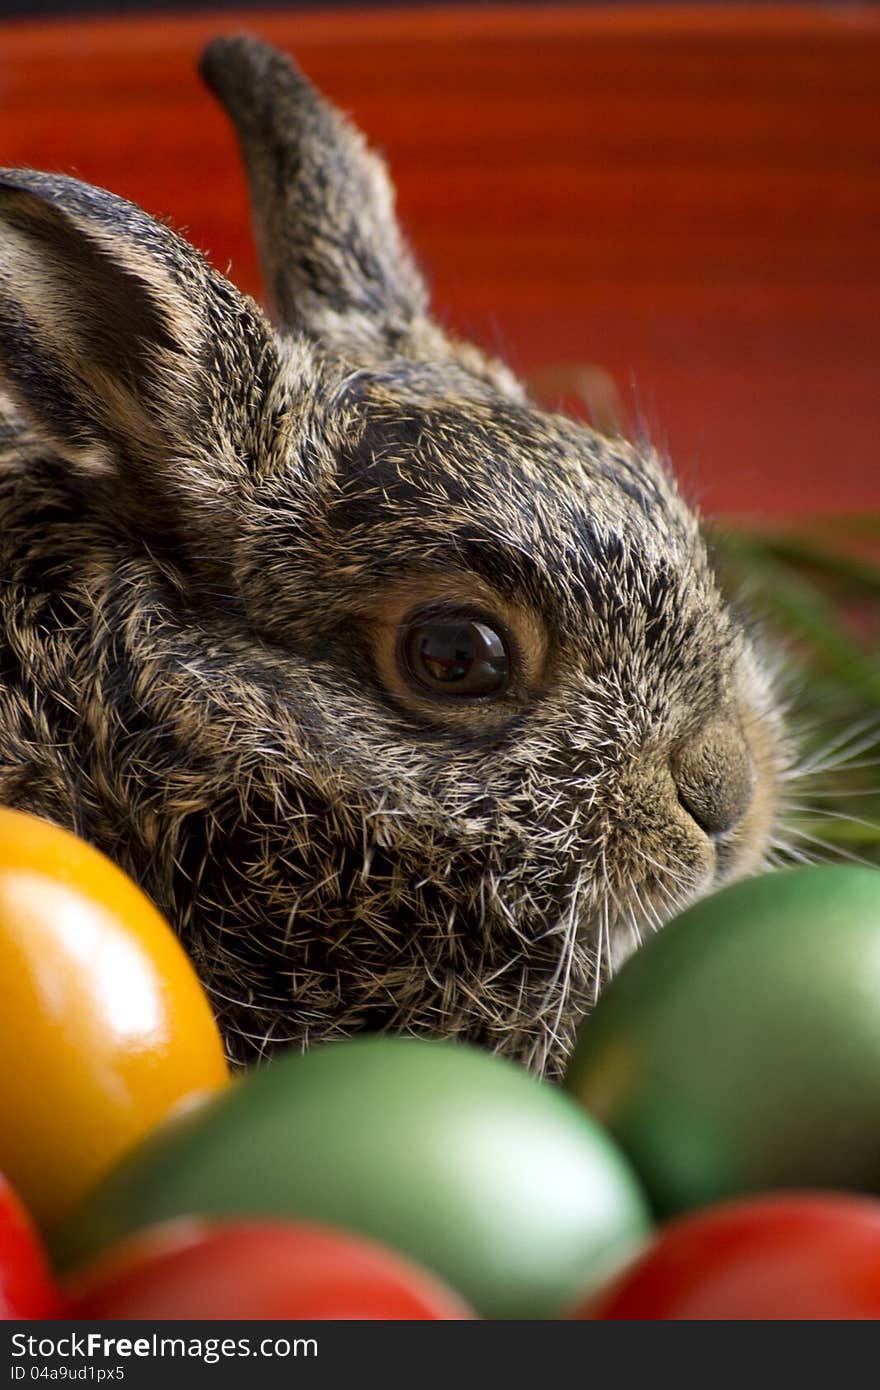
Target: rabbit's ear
[(93, 319), (112, 331), (334, 261)]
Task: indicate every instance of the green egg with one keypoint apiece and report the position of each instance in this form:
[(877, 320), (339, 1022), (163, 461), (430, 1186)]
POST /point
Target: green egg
[(740, 1048), (456, 1157)]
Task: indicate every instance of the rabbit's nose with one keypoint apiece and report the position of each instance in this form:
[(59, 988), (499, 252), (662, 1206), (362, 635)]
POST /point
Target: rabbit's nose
[(715, 776)]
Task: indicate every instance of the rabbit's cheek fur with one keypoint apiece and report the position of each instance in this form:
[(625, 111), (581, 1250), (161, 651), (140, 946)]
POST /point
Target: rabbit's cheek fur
[(213, 536)]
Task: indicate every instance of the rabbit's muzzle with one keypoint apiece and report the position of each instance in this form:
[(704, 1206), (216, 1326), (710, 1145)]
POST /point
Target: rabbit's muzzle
[(714, 776)]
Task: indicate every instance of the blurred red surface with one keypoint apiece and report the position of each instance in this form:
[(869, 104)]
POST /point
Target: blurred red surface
[(687, 195)]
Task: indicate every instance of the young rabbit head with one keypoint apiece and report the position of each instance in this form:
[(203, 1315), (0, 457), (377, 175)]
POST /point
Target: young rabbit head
[(411, 705)]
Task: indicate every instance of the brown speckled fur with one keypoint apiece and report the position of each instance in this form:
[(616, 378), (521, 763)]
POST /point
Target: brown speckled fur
[(210, 529)]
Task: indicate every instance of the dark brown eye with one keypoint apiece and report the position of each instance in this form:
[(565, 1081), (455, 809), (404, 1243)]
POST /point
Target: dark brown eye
[(456, 656)]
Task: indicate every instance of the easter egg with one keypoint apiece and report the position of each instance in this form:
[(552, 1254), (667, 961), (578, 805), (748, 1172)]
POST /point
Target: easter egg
[(26, 1286), (457, 1158), (257, 1270), (802, 1256), (104, 1026), (740, 1049)]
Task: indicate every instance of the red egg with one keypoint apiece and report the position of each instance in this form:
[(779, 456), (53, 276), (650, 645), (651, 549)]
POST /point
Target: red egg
[(26, 1287), (260, 1270), (789, 1256)]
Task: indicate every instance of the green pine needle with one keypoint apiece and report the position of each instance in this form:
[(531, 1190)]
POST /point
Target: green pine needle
[(817, 590)]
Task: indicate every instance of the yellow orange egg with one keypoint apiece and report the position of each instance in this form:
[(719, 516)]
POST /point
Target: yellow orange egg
[(104, 1027)]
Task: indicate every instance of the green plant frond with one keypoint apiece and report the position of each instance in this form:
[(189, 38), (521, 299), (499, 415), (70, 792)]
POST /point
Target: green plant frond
[(818, 589)]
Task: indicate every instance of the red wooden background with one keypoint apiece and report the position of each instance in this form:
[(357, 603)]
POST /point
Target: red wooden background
[(689, 196)]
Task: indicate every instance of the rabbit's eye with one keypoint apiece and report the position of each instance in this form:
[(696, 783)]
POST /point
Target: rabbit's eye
[(455, 657)]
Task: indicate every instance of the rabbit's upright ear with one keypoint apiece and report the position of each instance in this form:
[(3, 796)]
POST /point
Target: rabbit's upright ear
[(111, 333), (334, 262)]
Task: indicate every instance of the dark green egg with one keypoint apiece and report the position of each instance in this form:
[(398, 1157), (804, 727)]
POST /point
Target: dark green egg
[(740, 1049), (460, 1159)]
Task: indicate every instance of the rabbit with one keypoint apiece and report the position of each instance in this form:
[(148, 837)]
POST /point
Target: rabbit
[(412, 706)]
